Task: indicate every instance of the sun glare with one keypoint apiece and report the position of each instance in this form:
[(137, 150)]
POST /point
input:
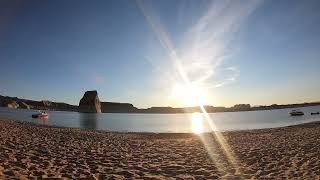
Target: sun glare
[(190, 95), (197, 123)]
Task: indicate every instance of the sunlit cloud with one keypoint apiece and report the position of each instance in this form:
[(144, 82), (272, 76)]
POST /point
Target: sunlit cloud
[(232, 74), (207, 43)]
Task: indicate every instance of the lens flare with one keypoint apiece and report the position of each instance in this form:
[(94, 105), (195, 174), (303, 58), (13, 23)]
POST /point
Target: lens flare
[(206, 48)]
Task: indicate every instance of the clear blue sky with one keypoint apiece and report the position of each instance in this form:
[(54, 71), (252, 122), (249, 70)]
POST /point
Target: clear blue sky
[(145, 52)]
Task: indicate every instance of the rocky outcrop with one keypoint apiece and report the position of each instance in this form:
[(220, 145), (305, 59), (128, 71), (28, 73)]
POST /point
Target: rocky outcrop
[(13, 105), (9, 102), (6, 101), (242, 107), (46, 103), (23, 105), (49, 105), (90, 103)]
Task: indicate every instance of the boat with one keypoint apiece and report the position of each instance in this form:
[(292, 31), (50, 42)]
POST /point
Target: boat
[(296, 112), (41, 114), (315, 113)]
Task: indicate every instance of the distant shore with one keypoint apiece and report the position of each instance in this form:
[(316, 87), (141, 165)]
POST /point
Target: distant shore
[(29, 150), (116, 107)]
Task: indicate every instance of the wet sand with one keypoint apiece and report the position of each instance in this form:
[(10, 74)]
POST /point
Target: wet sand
[(29, 151)]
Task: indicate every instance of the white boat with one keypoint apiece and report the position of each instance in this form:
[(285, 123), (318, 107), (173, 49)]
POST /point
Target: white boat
[(296, 112), (41, 114)]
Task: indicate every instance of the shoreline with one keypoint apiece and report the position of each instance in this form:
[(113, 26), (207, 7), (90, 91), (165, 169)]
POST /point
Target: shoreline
[(32, 151), (168, 110)]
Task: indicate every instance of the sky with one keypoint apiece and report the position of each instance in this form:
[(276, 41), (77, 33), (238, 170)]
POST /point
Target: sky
[(161, 53)]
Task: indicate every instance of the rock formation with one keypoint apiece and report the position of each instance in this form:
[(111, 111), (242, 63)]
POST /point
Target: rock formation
[(90, 103), (46, 103), (6, 101), (13, 105), (9, 102), (23, 105)]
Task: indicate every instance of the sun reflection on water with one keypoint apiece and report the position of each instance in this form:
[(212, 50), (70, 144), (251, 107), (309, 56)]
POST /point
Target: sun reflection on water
[(197, 123)]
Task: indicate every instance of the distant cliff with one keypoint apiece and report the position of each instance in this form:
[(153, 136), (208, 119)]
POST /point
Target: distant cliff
[(115, 107), (14, 102)]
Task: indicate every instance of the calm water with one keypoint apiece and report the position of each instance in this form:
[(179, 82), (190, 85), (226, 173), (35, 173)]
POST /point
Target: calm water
[(165, 122)]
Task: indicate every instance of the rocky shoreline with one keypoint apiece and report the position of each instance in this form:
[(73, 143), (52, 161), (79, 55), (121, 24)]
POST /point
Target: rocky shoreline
[(31, 151)]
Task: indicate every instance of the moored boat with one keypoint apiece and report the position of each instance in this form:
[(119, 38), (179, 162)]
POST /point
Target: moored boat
[(315, 113), (296, 112), (41, 114)]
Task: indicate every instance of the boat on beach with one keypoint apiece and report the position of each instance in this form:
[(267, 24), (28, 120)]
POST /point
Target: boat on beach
[(296, 112), (41, 114)]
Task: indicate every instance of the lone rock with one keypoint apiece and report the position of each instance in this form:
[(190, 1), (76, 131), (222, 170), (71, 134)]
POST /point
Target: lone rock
[(90, 103)]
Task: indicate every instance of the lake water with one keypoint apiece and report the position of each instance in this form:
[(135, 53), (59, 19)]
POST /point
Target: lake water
[(166, 122)]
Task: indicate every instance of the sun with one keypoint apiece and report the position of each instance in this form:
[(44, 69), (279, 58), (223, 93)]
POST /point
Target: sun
[(190, 95), (197, 123)]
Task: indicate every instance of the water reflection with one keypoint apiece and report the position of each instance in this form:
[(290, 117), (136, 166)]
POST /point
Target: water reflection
[(88, 120), (166, 122), (197, 123), (43, 120)]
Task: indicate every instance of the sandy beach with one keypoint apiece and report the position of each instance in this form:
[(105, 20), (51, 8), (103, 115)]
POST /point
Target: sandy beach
[(30, 151)]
